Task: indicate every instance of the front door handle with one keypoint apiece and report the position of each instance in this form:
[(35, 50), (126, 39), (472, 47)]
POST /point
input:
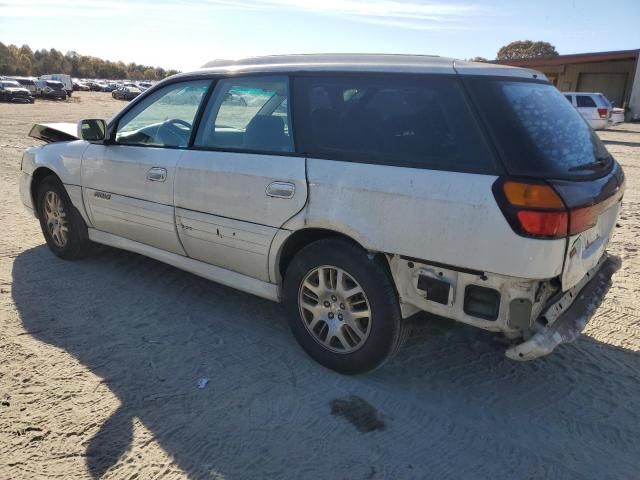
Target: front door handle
[(281, 190), (157, 174)]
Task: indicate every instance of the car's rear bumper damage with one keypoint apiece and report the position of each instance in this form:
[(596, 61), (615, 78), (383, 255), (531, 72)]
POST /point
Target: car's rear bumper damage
[(535, 310), (567, 317)]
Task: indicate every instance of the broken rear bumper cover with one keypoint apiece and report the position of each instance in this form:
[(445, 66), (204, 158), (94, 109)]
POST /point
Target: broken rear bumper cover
[(568, 316)]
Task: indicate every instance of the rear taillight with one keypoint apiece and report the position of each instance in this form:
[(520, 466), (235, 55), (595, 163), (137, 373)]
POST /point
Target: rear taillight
[(582, 219), (603, 112), (534, 209), (543, 224)]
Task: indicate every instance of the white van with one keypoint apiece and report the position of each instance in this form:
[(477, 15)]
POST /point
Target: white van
[(63, 78), (358, 189)]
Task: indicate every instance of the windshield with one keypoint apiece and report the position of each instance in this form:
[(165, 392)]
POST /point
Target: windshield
[(538, 132), (55, 85)]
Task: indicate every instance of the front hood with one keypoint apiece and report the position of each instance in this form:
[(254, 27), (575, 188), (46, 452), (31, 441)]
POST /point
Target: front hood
[(54, 132)]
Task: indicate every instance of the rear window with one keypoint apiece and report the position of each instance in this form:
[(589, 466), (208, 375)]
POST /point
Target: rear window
[(538, 132), (585, 101), (410, 121), (603, 101)]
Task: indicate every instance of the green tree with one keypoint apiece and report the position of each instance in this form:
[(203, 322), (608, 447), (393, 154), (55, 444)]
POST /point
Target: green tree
[(7, 62), (23, 61), (526, 49)]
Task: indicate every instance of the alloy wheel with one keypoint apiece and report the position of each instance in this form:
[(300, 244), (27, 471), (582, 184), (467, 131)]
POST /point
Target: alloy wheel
[(56, 220), (335, 309)]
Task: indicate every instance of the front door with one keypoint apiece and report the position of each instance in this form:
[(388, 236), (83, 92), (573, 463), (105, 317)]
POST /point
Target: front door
[(241, 181), (128, 183)]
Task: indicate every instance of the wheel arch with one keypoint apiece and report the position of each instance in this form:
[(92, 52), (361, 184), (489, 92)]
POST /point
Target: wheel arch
[(37, 177), (299, 239)]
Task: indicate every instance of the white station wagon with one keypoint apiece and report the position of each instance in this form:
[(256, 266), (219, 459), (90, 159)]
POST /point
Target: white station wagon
[(358, 189)]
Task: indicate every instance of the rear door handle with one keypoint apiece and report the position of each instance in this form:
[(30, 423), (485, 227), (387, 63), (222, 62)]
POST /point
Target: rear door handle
[(281, 190), (157, 174)]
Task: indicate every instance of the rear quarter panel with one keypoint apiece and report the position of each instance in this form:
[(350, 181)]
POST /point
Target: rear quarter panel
[(437, 216)]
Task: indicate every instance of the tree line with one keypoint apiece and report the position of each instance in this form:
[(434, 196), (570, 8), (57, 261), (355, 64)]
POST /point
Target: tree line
[(522, 49), (22, 61)]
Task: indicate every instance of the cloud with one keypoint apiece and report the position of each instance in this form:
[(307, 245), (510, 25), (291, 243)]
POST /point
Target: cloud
[(396, 13)]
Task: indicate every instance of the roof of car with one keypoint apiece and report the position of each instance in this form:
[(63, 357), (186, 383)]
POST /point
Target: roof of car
[(351, 62)]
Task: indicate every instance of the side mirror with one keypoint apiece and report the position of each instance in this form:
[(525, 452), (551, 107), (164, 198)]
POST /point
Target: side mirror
[(92, 130)]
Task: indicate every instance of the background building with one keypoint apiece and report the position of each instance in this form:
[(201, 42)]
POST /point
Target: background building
[(615, 74)]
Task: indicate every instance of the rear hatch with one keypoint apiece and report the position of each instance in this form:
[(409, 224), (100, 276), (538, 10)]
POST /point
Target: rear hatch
[(543, 140)]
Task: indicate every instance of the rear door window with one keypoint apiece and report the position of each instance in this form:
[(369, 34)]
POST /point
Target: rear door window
[(401, 120), (250, 114), (538, 133), (585, 101)]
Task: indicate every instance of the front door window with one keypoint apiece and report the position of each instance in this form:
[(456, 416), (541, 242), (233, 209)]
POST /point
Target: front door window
[(165, 118)]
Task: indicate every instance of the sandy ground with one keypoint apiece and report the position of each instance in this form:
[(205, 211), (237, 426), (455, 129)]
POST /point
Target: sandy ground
[(99, 361)]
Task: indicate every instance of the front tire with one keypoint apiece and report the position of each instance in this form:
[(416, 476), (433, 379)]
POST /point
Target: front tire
[(62, 225), (343, 307)]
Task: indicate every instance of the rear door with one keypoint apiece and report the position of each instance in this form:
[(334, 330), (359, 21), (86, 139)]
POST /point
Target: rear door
[(128, 183), (241, 181)]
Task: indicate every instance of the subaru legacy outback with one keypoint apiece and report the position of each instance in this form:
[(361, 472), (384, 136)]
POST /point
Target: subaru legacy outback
[(358, 189)]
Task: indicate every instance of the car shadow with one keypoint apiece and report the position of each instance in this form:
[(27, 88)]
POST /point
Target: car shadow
[(451, 403)]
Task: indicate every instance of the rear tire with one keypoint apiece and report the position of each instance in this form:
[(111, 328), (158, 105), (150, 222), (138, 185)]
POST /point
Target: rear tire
[(343, 307), (62, 225)]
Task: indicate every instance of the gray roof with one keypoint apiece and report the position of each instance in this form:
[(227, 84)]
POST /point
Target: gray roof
[(346, 62)]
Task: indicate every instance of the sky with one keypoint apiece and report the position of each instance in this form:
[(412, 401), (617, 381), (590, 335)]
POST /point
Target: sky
[(185, 34)]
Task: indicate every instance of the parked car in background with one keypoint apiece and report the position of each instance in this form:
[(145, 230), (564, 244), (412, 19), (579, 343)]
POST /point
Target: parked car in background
[(594, 108), (94, 86), (51, 89), (396, 197), (67, 82), (617, 116), (80, 86), (126, 92), (28, 83), (12, 91), (144, 86)]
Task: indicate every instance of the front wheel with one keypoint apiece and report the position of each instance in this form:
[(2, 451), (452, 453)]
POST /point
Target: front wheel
[(343, 307), (62, 225)]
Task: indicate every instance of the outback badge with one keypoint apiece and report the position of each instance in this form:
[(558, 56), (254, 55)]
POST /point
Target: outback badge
[(105, 196)]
